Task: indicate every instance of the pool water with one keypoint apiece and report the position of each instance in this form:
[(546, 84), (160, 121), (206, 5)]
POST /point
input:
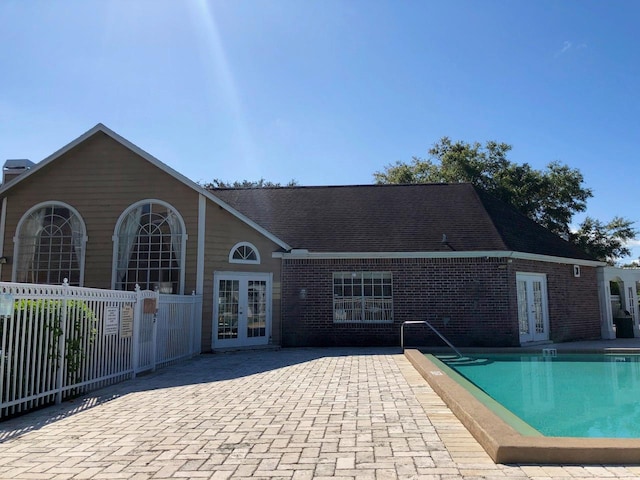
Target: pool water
[(565, 395)]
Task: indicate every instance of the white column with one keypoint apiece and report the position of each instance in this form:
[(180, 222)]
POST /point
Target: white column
[(202, 225), (137, 326), (630, 298), (634, 297), (606, 316)]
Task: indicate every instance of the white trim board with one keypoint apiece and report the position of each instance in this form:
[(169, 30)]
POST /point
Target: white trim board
[(305, 254)]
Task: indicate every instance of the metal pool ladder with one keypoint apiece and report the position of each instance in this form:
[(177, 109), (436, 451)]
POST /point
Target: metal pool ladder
[(442, 337)]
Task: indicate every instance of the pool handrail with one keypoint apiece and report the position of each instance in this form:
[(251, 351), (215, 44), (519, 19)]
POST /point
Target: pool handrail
[(442, 337)]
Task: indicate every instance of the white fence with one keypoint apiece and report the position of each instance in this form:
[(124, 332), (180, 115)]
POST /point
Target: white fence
[(60, 341)]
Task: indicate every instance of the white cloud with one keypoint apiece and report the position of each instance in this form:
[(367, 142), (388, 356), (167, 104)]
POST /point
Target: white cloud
[(565, 47)]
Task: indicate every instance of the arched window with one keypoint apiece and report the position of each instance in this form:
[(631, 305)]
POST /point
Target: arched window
[(49, 245), (244, 252), (149, 244)]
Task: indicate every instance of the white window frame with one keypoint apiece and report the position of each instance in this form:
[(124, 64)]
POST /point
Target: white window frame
[(80, 250), (373, 308), (244, 261), (116, 240), (242, 340), (527, 307)]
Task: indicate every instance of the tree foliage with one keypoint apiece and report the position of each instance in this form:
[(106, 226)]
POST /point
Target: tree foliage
[(262, 183), (605, 241), (551, 196)]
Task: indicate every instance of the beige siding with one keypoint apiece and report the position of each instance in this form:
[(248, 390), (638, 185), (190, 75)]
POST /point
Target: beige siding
[(101, 178), (223, 231)]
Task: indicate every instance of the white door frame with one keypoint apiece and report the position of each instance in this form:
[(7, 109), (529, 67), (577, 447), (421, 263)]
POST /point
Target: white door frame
[(243, 278), (529, 279)]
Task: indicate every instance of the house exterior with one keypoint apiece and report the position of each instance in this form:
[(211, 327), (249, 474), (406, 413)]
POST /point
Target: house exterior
[(301, 266), (473, 267)]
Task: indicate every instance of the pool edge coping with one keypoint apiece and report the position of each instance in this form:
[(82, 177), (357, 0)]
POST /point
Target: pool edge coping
[(504, 444)]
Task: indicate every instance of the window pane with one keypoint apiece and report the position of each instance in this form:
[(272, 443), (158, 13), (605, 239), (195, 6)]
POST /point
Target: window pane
[(244, 253), (150, 249), (50, 246), (362, 297)]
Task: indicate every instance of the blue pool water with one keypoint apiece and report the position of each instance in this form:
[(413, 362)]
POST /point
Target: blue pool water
[(562, 396)]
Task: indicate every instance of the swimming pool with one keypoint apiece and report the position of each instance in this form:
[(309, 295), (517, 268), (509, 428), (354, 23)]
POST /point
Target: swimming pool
[(571, 395), (509, 439)]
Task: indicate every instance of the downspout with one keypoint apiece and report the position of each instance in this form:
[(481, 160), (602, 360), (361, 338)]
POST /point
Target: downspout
[(512, 295), (282, 305), (282, 257), (3, 219)]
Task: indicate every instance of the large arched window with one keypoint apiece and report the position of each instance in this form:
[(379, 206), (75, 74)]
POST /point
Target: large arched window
[(49, 245), (149, 244)]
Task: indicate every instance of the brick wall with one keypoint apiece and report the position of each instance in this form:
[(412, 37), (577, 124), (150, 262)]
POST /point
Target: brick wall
[(468, 300), (574, 306), (471, 301)]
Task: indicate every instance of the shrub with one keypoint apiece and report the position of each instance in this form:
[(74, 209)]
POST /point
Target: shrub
[(81, 327)]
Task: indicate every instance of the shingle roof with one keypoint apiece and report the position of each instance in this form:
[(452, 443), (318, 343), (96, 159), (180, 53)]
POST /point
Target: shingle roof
[(521, 234), (394, 218)]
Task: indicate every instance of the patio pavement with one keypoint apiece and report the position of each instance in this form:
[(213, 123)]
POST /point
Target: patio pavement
[(291, 414)]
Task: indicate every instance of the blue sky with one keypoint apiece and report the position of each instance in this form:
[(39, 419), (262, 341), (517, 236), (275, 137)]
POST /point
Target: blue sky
[(328, 92)]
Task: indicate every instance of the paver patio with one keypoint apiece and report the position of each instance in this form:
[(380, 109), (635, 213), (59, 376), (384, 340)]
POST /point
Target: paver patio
[(291, 414)]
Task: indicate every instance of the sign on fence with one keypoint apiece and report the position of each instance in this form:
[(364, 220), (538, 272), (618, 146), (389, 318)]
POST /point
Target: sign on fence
[(6, 305), (111, 321), (126, 321), (149, 305)]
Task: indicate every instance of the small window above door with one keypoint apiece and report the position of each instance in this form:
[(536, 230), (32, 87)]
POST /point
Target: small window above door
[(244, 252)]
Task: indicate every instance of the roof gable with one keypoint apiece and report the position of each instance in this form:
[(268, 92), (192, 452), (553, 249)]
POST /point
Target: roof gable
[(100, 128)]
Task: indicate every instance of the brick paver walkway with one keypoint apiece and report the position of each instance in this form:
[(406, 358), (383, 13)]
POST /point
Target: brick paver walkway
[(291, 414)]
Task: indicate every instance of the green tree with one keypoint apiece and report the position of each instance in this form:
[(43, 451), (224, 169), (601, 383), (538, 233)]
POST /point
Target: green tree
[(262, 183), (605, 241), (551, 196)]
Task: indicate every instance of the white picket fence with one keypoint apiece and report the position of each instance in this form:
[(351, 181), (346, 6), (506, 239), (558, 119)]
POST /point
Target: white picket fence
[(57, 342)]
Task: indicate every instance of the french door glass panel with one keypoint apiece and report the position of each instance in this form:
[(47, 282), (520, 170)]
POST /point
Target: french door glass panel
[(537, 307), (242, 310), (228, 304), (532, 307), (257, 308), (523, 312)]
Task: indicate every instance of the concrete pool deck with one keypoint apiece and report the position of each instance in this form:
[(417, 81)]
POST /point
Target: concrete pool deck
[(292, 414)]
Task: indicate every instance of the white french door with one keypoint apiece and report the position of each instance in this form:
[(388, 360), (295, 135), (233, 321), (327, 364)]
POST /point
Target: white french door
[(241, 309), (533, 316)]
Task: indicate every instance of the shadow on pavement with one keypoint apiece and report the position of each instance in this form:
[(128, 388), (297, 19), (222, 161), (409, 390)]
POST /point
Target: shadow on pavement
[(205, 368)]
